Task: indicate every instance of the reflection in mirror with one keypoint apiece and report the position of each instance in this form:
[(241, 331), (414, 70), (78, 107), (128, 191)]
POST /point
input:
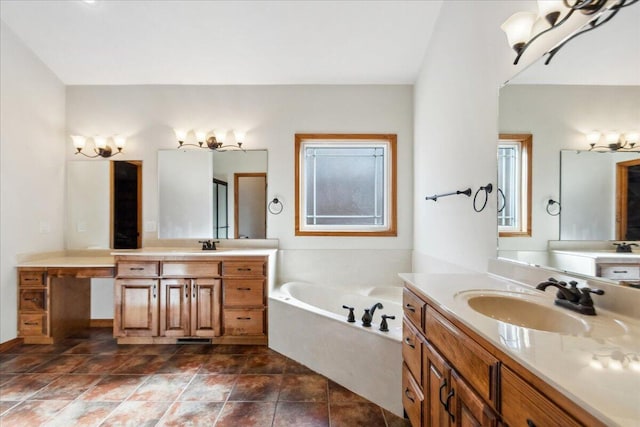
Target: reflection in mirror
[(197, 193), (596, 205), (103, 204)]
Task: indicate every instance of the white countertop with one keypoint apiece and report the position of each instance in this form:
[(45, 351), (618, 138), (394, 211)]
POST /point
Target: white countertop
[(563, 361), (71, 262), (181, 251), (603, 256)]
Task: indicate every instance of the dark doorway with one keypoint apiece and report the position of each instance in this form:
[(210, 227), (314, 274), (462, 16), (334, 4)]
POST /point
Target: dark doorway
[(127, 215), (220, 212), (628, 200)]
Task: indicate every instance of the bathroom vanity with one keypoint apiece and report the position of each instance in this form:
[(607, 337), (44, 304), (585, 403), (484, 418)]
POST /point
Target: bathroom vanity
[(462, 367), (168, 297)]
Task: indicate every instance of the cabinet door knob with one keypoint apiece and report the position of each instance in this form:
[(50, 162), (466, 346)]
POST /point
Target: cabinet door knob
[(442, 386), (410, 308), (530, 423), (448, 404), (408, 342)]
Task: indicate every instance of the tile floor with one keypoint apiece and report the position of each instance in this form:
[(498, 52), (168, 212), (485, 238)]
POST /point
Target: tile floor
[(92, 381)]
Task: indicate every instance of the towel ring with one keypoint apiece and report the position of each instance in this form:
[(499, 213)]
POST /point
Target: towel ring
[(487, 189), (504, 199), (275, 206), (550, 203)]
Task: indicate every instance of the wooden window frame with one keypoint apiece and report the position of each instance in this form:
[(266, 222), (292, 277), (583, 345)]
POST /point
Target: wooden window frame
[(526, 147), (391, 140)]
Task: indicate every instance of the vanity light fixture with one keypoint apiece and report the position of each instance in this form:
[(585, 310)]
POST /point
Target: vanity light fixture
[(213, 142), (524, 28), (614, 141), (102, 149)]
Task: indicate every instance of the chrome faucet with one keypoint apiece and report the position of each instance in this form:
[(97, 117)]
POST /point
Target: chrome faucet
[(573, 298)]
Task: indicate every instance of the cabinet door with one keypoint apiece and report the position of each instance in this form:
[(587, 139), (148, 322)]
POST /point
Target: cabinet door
[(136, 305), (467, 408), (437, 386), (174, 307), (205, 308)]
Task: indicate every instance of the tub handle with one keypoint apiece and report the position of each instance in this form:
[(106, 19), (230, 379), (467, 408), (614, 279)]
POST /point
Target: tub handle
[(410, 308), (408, 393), (408, 342), (351, 318)]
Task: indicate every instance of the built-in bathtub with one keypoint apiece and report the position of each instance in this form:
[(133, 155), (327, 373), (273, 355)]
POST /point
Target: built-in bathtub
[(308, 324)]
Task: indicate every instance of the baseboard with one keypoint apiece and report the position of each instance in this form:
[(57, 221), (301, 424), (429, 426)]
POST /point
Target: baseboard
[(101, 323), (11, 343)]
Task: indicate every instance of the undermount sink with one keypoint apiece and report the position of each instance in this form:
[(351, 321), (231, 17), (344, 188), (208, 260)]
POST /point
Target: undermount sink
[(528, 314)]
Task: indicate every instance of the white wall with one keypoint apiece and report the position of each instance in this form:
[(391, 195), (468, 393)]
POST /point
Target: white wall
[(31, 163), (271, 115), (456, 108), (558, 117)]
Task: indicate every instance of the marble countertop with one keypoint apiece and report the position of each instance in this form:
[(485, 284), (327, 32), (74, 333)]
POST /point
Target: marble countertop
[(610, 393), (71, 261)]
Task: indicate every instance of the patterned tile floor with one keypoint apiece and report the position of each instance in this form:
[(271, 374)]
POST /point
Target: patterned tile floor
[(92, 381)]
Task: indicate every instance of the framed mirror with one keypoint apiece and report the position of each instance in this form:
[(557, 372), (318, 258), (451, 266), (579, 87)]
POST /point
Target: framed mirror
[(206, 194)]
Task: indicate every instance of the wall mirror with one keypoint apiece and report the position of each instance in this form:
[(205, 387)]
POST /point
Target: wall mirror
[(104, 204), (206, 194), (593, 84)]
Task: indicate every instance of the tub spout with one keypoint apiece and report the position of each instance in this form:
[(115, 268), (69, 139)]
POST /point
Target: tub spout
[(373, 309)]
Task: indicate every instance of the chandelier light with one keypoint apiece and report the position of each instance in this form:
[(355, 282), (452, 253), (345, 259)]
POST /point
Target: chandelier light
[(524, 28)]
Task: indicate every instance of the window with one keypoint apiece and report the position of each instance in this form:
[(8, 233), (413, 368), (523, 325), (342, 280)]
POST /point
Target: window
[(514, 185), (345, 185)]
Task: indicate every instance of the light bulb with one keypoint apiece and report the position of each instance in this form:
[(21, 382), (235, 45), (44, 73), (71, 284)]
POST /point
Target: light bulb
[(220, 135), (518, 28), (78, 141), (612, 137), (201, 136), (180, 134), (615, 364), (593, 137), (632, 137), (100, 141), (635, 364), (120, 141), (239, 136)]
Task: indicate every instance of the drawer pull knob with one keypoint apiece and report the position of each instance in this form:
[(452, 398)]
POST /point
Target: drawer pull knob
[(410, 308), (244, 269), (243, 318), (30, 279), (530, 423), (408, 342), (31, 323), (34, 299), (136, 268), (620, 271), (243, 289), (408, 393)]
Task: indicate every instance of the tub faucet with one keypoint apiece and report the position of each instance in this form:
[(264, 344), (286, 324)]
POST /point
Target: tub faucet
[(573, 298), (367, 317), (373, 308)]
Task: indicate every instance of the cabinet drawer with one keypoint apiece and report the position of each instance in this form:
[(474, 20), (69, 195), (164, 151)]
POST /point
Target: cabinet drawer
[(412, 397), (33, 324), (243, 292), (33, 300), (137, 269), (412, 350), (522, 405), (413, 308), (243, 268), (474, 363), (243, 322), (32, 278), (191, 269), (620, 272)]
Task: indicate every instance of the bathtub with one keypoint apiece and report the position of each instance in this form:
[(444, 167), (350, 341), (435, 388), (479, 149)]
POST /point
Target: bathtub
[(308, 324)]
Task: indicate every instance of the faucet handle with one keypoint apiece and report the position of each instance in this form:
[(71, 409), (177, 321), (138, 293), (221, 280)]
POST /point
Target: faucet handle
[(350, 317), (384, 327), (585, 299)]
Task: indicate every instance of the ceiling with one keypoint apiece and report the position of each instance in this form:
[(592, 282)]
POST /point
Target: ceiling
[(226, 42)]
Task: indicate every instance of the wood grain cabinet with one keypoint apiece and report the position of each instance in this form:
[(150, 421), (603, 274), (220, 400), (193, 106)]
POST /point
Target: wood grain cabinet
[(453, 378), (163, 299)]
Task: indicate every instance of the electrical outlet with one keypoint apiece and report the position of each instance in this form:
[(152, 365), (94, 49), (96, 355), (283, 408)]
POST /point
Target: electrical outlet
[(44, 227), (81, 226), (149, 226)]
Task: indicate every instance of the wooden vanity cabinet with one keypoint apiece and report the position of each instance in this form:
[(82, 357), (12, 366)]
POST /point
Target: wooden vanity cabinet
[(159, 300), (465, 381)]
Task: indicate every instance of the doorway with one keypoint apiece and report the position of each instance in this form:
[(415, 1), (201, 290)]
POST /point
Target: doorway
[(628, 200), (126, 204), (250, 199)]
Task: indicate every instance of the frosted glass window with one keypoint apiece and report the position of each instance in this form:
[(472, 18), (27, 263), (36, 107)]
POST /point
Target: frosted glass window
[(514, 185), (346, 186)]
